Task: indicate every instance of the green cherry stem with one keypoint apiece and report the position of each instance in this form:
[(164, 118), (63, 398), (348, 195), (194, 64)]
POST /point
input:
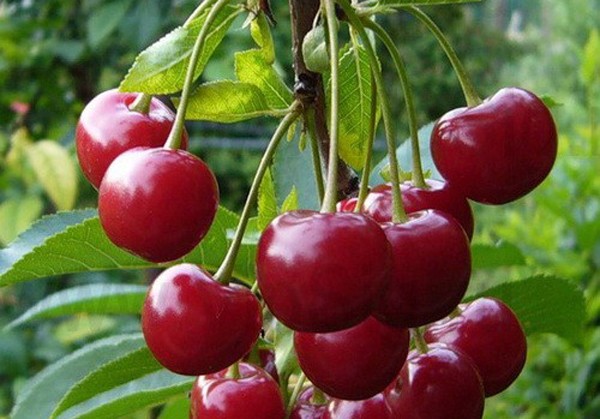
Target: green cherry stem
[(234, 371), (417, 167), (469, 91), (330, 198), (398, 213), (174, 139), (318, 397), (296, 393), (141, 104), (364, 179), (419, 340), (315, 154), (223, 274)]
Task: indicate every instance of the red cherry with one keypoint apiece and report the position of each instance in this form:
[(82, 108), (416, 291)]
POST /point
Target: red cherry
[(254, 395), (439, 384), (376, 407), (193, 325), (498, 151), (354, 363), (430, 272), (107, 128), (306, 409), (438, 195), (322, 272), (488, 332), (157, 203)]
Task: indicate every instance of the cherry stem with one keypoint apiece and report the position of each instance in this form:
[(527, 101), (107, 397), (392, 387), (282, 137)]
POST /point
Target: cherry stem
[(455, 313), (223, 274), (419, 340), (469, 91), (318, 397), (364, 180), (398, 212), (417, 167), (316, 156), (234, 371), (296, 393), (198, 11), (330, 198), (141, 104), (174, 139)]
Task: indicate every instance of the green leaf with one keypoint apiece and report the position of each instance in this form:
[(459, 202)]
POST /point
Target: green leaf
[(41, 394), (176, 410), (83, 327), (267, 201), (228, 101), (150, 390), (290, 203), (124, 369), (485, 256), (590, 62), (544, 304), (161, 68), (74, 241), (251, 67), (56, 171), (17, 214), (105, 19), (261, 33), (91, 299)]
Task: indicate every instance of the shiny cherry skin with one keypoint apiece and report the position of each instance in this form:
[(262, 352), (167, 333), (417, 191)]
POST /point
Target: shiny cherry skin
[(490, 333), (107, 128), (157, 203), (322, 272), (431, 269), (355, 363), (437, 195), (439, 384), (194, 325), (498, 151), (305, 408), (265, 358), (254, 395), (376, 407)]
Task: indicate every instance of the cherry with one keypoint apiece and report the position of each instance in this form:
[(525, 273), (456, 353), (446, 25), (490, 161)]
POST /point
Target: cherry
[(354, 363), (488, 332), (498, 151), (439, 384), (431, 269), (107, 128), (438, 195), (157, 203), (322, 272), (254, 395), (346, 205), (194, 325), (305, 408), (376, 407)]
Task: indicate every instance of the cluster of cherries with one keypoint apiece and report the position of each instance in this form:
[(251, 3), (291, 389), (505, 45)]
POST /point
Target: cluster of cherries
[(352, 285)]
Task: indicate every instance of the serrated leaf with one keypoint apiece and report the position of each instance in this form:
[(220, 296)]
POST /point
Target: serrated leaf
[(74, 241), (40, 395), (227, 101), (261, 33), (290, 202), (251, 67), (161, 68), (124, 369), (105, 19), (544, 304), (17, 214), (56, 171), (91, 299), (590, 61), (485, 256), (150, 390), (267, 201)]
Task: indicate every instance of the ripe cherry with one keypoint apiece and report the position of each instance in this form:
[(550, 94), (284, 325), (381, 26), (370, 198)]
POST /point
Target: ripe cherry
[(306, 408), (354, 363), (194, 325), (253, 395), (322, 272), (488, 332), (439, 384), (430, 272), (107, 128), (157, 203), (498, 151)]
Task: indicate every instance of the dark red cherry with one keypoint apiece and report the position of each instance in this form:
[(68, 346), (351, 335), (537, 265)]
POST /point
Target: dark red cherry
[(157, 203), (488, 332), (439, 384), (498, 151), (305, 408), (107, 128), (438, 195), (376, 407), (431, 269), (254, 395), (354, 363), (322, 272), (194, 325)]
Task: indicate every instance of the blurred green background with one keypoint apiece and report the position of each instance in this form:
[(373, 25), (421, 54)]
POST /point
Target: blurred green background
[(56, 55)]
